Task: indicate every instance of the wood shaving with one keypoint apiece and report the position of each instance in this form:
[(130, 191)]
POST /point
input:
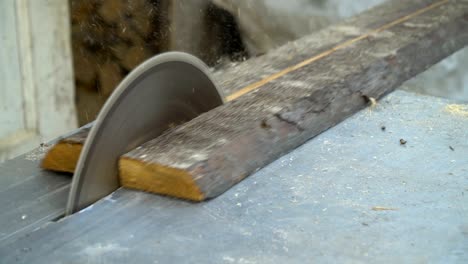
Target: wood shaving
[(457, 109), (382, 208)]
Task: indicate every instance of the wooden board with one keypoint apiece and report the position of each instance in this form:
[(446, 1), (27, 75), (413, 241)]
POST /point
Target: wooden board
[(233, 78), (234, 140), (64, 155), (206, 156)]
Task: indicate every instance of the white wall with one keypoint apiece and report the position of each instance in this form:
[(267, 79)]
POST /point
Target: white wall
[(36, 77)]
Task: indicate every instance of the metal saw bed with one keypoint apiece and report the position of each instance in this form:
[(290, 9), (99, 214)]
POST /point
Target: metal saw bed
[(363, 197)]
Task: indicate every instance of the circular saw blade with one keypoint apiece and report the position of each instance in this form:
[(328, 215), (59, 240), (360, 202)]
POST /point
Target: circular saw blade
[(167, 89)]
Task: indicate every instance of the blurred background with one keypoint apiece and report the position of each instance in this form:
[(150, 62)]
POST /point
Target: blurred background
[(60, 60)]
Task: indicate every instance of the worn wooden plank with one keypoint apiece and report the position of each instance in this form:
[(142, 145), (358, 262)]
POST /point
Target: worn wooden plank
[(239, 75), (206, 156), (64, 155)]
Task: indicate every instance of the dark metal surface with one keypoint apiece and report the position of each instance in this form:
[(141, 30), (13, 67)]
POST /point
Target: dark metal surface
[(353, 194), (166, 90), (30, 196)]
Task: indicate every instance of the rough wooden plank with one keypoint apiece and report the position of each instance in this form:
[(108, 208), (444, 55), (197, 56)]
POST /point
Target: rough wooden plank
[(206, 156), (239, 75), (64, 155)]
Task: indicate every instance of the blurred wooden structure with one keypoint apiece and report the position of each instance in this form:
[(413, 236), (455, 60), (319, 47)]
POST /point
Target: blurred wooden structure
[(111, 37)]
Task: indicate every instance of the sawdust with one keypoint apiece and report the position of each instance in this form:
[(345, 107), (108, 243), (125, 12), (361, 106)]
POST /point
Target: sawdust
[(382, 208), (38, 153), (371, 101), (457, 109), (372, 104)]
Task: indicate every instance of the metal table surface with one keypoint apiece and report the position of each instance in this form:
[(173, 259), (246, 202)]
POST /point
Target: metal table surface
[(352, 194), (29, 196)]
